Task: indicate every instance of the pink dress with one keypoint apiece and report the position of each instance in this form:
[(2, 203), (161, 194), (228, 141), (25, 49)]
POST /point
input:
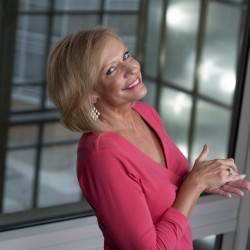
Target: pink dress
[(130, 193)]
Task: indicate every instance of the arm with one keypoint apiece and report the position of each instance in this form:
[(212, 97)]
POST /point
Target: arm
[(205, 175)]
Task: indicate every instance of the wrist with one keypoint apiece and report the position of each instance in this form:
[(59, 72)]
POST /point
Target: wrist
[(187, 195), (194, 182)]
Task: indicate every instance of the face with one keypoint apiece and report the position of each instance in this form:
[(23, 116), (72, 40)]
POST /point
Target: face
[(119, 82)]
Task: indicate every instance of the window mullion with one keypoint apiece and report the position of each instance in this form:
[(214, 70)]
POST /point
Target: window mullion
[(8, 15)]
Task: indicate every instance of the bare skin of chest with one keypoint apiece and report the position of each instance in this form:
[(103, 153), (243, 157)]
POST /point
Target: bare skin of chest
[(147, 142)]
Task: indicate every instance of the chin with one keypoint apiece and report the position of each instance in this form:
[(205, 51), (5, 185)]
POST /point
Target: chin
[(143, 92)]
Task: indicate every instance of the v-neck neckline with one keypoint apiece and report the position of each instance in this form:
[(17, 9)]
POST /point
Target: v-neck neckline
[(152, 128), (141, 152)]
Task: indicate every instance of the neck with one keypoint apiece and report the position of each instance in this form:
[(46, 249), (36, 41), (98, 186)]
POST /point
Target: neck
[(118, 120)]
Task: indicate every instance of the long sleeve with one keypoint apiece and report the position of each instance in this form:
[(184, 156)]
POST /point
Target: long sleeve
[(118, 194)]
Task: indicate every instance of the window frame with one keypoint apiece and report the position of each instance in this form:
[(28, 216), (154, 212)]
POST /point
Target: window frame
[(44, 114), (212, 215)]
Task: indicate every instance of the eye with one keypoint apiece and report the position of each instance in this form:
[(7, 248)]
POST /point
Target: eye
[(126, 56), (110, 71)]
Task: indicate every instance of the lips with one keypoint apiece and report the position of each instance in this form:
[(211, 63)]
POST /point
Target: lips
[(133, 84)]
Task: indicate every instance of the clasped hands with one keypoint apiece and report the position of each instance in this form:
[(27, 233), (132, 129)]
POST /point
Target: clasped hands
[(220, 176)]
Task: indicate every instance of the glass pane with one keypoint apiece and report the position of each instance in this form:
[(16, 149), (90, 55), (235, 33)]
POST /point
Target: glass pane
[(22, 135), (32, 23), (29, 63), (126, 28), (121, 5), (153, 37), (212, 128), (54, 132), (29, 59), (19, 178), (77, 4), (58, 182), (124, 25), (66, 24), (25, 97), (33, 5), (175, 110), (48, 103), (219, 59), (206, 243), (30, 48), (130, 42), (151, 93), (182, 23)]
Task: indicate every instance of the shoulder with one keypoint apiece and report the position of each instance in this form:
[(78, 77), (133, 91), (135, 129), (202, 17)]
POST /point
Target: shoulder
[(96, 142), (105, 157), (102, 148)]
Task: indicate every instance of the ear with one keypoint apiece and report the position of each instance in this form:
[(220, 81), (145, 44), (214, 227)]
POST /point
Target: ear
[(93, 97)]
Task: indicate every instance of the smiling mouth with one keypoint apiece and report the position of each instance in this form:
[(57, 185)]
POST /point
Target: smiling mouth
[(133, 85)]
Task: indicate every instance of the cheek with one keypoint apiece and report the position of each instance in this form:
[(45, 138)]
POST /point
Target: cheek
[(137, 64), (115, 82), (108, 87)]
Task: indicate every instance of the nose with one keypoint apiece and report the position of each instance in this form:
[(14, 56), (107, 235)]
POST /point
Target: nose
[(131, 68)]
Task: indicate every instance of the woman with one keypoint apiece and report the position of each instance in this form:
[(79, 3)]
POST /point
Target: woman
[(128, 168)]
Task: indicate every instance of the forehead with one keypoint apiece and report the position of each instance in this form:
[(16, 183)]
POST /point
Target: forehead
[(111, 41), (112, 49)]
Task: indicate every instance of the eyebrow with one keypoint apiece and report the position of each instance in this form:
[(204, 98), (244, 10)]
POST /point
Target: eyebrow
[(125, 49)]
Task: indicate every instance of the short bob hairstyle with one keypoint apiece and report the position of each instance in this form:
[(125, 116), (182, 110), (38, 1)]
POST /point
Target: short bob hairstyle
[(72, 70)]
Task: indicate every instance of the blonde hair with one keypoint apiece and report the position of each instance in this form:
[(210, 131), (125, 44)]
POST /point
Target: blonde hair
[(72, 71)]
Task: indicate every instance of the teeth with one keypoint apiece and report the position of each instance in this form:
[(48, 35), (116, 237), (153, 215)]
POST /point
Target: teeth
[(133, 84)]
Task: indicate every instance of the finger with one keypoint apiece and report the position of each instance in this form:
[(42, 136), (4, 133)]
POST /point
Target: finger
[(231, 160), (242, 184), (230, 171), (204, 153), (232, 190), (219, 191), (235, 177), (230, 163)]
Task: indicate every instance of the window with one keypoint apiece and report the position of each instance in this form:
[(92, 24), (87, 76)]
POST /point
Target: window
[(193, 56), (39, 180), (191, 65)]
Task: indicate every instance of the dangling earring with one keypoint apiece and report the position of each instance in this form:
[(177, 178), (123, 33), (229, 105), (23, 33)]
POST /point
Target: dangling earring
[(95, 113)]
